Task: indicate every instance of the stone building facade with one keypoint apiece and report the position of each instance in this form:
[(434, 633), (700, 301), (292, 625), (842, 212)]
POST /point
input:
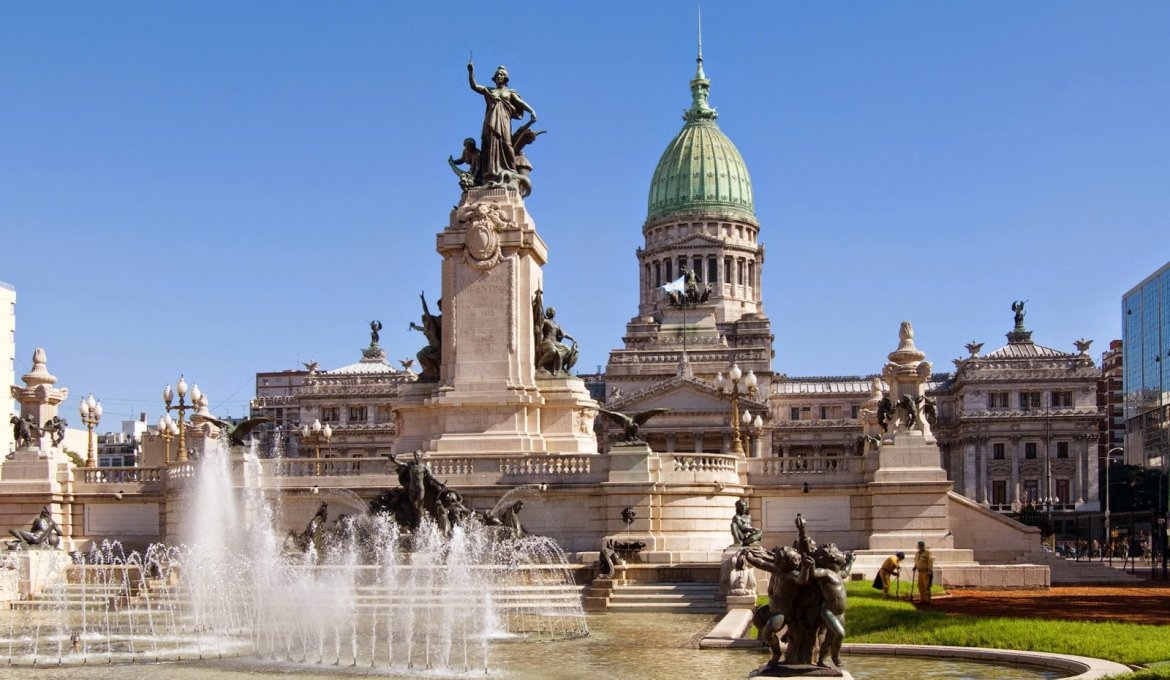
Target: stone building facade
[(700, 228)]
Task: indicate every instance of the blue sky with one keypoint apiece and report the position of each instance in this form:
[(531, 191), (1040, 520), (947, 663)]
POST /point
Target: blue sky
[(217, 189)]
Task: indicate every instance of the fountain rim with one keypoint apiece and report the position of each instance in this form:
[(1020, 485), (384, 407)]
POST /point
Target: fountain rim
[(1085, 667)]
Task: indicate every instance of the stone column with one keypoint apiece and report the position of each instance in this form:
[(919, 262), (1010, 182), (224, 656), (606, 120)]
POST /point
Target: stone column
[(969, 470), (1079, 481), (1014, 492)]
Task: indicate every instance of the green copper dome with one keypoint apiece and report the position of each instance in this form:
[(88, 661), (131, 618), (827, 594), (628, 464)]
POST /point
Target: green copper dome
[(701, 171)]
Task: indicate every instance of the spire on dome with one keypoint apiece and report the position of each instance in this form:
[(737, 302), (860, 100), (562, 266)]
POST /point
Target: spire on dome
[(700, 86)]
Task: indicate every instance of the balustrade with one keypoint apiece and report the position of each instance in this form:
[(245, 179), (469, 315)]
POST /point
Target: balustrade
[(705, 463), (121, 475)]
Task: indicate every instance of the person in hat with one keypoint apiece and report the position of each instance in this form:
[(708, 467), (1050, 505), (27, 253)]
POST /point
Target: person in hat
[(890, 568), (924, 568)]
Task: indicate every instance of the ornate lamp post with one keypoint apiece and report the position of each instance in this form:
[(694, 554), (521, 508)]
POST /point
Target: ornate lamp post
[(734, 392), (91, 415), (318, 435), (1108, 465), (197, 399), (751, 428), (167, 430)]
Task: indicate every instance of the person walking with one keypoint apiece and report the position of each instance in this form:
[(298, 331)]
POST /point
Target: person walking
[(891, 568), (924, 569)]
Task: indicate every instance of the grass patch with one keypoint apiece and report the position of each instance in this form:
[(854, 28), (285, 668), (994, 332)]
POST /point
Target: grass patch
[(872, 618)]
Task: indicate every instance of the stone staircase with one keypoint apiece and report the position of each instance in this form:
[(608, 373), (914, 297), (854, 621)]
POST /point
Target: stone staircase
[(1066, 572), (621, 596)]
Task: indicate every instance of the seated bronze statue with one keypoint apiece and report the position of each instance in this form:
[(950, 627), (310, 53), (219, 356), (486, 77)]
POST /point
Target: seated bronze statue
[(45, 531), (741, 525)]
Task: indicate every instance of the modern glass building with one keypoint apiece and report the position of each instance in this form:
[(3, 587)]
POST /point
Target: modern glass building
[(1145, 333)]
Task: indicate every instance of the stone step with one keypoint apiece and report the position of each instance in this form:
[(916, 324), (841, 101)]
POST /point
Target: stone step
[(667, 587), (668, 607), (619, 596)]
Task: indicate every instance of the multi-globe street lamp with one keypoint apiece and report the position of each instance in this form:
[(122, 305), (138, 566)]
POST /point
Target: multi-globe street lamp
[(167, 430), (198, 400), (749, 382), (91, 415), (318, 434)]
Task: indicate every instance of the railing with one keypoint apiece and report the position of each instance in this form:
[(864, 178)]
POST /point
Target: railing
[(332, 467), (713, 462), (700, 468), (483, 469), (121, 475), (842, 469), (542, 466)]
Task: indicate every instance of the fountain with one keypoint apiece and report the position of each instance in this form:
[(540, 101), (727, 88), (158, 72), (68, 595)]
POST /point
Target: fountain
[(377, 594)]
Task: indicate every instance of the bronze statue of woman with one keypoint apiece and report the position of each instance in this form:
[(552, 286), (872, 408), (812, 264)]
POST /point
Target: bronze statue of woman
[(496, 153)]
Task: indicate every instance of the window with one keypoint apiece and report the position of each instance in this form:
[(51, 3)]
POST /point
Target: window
[(751, 273), (657, 275), (1062, 399), (999, 492), (357, 414), (997, 399), (1030, 450), (794, 413), (1062, 449), (1029, 400), (739, 271), (727, 270), (330, 414), (998, 451), (647, 273), (712, 275), (669, 271), (855, 411), (1031, 491), (824, 413), (682, 264), (697, 265), (1062, 491)]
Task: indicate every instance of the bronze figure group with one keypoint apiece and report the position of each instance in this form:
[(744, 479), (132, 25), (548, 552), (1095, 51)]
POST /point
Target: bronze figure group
[(806, 599), (499, 161)]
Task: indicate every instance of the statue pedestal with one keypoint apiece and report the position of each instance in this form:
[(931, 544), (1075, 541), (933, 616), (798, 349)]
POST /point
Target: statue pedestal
[(799, 671), (489, 399), (909, 456)]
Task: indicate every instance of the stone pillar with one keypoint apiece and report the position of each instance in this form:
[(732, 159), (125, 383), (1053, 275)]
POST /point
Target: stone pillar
[(39, 399), (490, 398), (1079, 483), (1015, 480), (969, 470)]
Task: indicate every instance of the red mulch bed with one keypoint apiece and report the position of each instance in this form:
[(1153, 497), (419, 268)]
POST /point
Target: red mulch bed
[(1138, 603)]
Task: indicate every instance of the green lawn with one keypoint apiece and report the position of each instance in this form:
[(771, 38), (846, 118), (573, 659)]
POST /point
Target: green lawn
[(872, 618)]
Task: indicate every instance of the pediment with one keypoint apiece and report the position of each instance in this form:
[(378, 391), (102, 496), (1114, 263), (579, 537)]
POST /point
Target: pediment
[(704, 240), (681, 393)]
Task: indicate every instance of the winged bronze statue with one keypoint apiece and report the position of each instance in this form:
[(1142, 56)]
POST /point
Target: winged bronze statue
[(974, 347), (238, 434), (631, 423)]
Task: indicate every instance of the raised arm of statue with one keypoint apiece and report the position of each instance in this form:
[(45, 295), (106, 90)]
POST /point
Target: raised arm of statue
[(475, 87)]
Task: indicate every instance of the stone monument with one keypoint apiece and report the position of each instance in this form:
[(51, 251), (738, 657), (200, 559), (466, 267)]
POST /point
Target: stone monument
[(490, 396), (909, 487), (36, 478)]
